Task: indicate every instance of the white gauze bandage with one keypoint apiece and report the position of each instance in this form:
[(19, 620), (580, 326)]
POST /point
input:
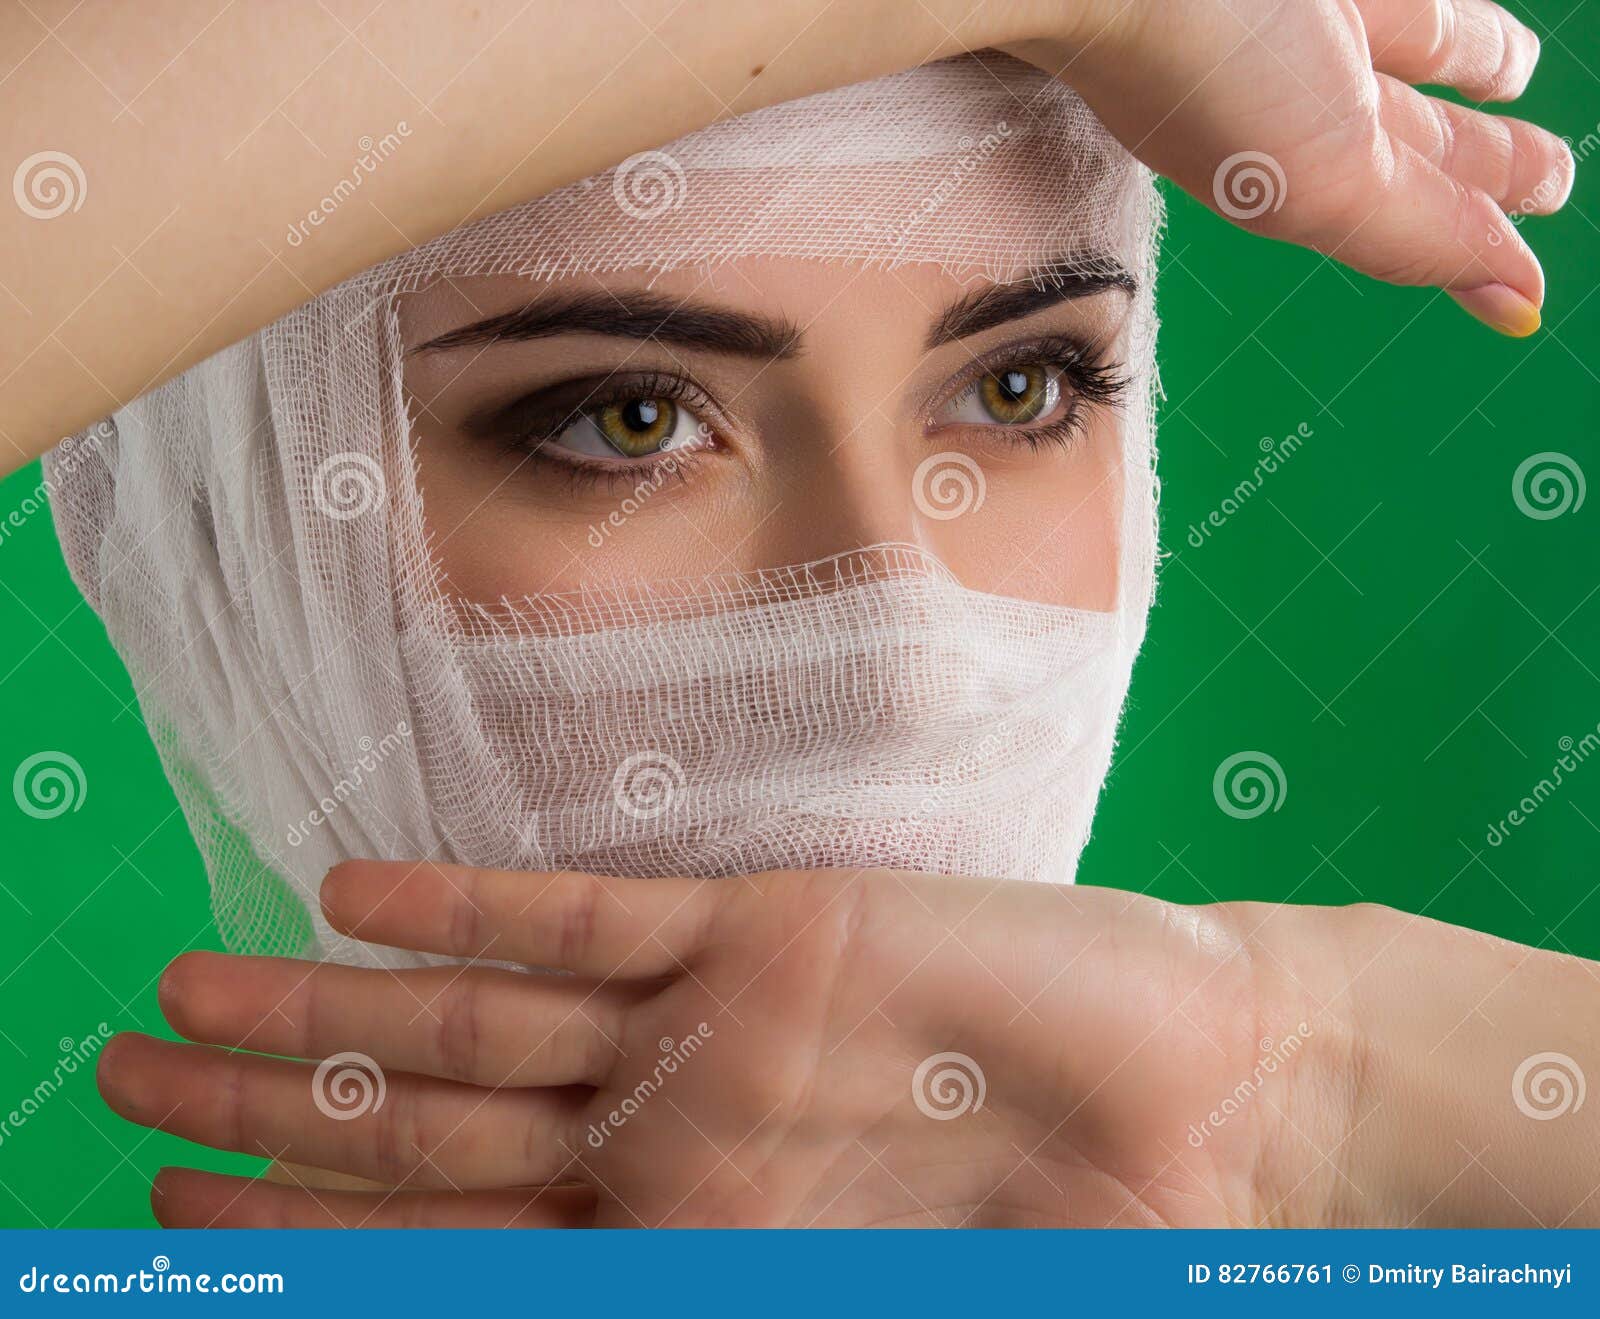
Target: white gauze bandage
[(252, 533)]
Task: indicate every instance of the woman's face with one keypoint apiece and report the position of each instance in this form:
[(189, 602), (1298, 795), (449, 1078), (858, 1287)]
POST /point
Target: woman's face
[(618, 429)]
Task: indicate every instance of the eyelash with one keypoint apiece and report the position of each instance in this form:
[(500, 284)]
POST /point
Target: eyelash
[(530, 437), (1090, 384)]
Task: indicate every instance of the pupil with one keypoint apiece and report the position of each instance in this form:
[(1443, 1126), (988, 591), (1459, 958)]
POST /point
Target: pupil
[(641, 414), (1014, 385)]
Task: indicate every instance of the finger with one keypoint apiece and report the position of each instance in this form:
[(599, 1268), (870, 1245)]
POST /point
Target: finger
[(1474, 46), (396, 1129), (480, 1025), (584, 923), (1407, 222), (1527, 170), (186, 1197)]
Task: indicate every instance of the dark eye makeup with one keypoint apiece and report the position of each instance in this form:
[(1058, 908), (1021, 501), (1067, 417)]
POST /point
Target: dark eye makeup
[(618, 426)]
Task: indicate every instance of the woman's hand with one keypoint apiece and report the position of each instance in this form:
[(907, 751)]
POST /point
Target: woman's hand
[(824, 1048), (1298, 121), (1306, 101), (839, 1048)]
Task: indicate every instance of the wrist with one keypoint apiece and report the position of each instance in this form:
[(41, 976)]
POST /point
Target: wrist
[(1059, 38), (1309, 1034), (1445, 1077)]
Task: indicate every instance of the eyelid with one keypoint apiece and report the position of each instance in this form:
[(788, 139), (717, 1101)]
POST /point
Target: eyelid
[(1087, 378), (548, 411)]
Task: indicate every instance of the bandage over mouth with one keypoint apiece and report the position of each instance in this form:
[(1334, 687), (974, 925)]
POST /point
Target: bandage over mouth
[(253, 535)]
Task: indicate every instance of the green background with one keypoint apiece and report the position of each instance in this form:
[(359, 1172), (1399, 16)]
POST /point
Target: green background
[(1379, 617)]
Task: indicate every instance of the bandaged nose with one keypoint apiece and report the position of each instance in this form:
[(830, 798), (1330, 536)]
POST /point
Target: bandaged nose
[(867, 711)]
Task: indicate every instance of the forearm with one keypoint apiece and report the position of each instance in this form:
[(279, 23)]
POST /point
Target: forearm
[(200, 146), (1424, 1100), (1480, 1130)]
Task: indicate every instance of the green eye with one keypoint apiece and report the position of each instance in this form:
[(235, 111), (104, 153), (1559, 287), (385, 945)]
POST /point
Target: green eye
[(1018, 394), (637, 427)]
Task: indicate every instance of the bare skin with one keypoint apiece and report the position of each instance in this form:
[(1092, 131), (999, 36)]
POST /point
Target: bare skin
[(180, 245), (785, 459), (1123, 1023), (1143, 1063)]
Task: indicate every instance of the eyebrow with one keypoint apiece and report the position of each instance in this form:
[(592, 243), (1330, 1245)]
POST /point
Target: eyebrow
[(652, 316), (633, 316), (1045, 287)]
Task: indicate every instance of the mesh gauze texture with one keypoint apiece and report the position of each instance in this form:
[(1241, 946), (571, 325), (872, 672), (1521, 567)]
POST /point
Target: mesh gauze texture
[(252, 535)]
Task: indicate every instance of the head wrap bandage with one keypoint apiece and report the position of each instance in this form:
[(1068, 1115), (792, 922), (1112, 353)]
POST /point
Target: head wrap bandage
[(252, 535)]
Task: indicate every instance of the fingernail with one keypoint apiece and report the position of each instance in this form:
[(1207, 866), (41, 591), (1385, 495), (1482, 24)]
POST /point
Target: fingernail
[(1501, 308)]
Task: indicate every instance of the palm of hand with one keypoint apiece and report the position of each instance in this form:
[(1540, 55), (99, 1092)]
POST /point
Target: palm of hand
[(888, 1050)]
